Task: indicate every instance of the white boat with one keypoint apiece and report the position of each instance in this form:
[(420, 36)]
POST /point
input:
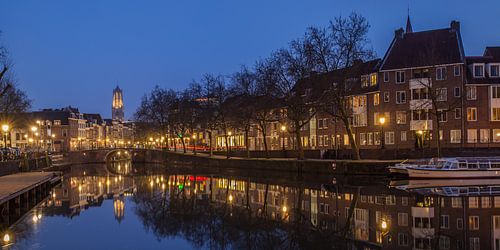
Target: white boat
[(401, 168), (460, 167)]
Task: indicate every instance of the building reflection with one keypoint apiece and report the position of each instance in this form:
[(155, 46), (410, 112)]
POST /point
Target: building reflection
[(219, 210)]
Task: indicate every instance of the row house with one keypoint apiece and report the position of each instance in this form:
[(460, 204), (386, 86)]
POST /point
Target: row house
[(424, 88)]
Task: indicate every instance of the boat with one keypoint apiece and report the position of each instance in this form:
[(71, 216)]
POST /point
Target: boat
[(401, 168), (458, 167)]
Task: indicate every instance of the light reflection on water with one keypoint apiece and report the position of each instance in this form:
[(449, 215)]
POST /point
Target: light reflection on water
[(114, 208)]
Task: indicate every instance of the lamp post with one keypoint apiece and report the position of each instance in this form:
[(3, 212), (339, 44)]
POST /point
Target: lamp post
[(382, 137), (52, 142), (283, 129), (229, 143), (5, 129)]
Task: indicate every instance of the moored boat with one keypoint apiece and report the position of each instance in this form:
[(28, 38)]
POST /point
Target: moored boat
[(460, 167)]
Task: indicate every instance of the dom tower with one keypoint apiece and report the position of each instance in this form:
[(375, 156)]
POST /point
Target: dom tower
[(117, 107)]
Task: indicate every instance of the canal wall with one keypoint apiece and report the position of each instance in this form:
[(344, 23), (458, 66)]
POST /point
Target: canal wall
[(23, 165), (177, 159), (310, 166)]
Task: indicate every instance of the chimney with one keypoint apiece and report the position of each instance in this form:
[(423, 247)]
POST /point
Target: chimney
[(399, 33), (455, 25)]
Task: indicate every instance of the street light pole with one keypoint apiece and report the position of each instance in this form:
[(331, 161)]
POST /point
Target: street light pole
[(382, 136), (283, 129), (194, 144)]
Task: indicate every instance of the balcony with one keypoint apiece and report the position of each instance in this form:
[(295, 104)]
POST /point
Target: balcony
[(420, 104), (421, 125), (418, 83)]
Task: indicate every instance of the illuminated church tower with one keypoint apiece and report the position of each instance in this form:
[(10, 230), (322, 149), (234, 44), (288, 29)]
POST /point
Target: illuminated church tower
[(117, 107)]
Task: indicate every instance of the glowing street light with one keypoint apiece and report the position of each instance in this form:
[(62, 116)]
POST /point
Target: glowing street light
[(230, 198), (34, 129), (381, 120), (6, 238), (5, 129), (283, 129)]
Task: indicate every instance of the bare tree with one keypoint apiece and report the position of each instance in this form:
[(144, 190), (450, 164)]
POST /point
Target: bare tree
[(156, 108), (350, 44)]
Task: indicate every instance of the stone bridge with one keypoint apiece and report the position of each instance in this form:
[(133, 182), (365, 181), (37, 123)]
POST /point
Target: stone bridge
[(107, 155)]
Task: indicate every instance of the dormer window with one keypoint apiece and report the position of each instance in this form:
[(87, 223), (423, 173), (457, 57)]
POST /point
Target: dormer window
[(478, 70), (365, 81), (373, 79), (495, 70)]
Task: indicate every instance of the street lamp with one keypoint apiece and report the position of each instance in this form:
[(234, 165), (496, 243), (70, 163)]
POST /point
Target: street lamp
[(5, 129), (381, 120), (229, 143), (283, 129)]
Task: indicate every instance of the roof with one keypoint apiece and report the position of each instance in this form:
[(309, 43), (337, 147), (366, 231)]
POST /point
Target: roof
[(95, 118), (318, 83), (425, 48), (51, 115), (490, 56), (493, 52)]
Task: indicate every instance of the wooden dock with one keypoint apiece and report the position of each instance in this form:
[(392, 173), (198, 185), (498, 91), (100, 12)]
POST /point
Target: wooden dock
[(22, 191)]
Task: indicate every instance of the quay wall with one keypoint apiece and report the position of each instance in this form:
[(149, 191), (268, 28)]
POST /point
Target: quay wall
[(23, 165)]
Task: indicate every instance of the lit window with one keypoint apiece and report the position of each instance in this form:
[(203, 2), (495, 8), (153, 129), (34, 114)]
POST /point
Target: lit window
[(471, 114), (376, 99), (400, 117), (455, 136)]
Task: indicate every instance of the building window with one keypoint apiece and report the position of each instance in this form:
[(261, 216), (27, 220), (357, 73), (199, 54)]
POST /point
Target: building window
[(471, 92), (478, 70), (460, 223), (420, 73), (471, 114), (455, 136), (400, 77), (362, 139), (373, 79), (400, 97), (386, 76), (389, 138), (346, 139), (376, 99), (456, 70), (471, 135), (403, 219), (484, 135), (386, 96), (365, 81), (441, 116), (474, 243), (419, 94), (473, 222), (494, 70), (444, 222), (456, 92), (369, 138), (495, 92), (441, 73), (403, 136), (441, 94), (400, 117), (496, 135), (456, 202), (419, 115), (403, 239), (376, 138), (473, 202), (444, 242), (495, 114), (458, 113)]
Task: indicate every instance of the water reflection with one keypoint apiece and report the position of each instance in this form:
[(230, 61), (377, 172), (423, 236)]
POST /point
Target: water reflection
[(213, 210)]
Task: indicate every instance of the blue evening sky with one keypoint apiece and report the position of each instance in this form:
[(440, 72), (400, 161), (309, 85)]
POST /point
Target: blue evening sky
[(75, 52)]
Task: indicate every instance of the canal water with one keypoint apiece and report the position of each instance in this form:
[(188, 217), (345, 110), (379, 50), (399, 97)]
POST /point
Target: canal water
[(152, 207)]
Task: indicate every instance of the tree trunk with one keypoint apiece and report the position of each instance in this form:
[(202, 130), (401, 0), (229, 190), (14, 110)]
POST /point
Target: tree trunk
[(352, 141), (227, 146), (211, 149), (300, 149), (247, 142), (175, 143), (438, 141), (264, 135), (183, 145)]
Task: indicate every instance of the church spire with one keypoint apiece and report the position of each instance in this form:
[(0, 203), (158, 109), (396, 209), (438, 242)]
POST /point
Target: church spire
[(409, 29)]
